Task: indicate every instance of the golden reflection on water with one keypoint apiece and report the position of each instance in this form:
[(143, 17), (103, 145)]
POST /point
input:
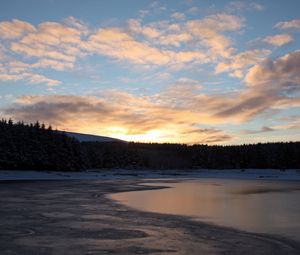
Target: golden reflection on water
[(252, 205)]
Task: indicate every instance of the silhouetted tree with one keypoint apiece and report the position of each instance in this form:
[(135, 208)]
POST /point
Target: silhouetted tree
[(33, 146)]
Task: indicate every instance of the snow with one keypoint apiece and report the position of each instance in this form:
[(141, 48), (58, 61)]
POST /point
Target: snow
[(269, 174), (91, 138), (263, 174)]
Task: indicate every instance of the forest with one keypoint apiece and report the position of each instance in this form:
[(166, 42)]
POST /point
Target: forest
[(37, 147)]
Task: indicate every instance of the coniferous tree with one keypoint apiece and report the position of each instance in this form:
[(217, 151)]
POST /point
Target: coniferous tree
[(35, 147)]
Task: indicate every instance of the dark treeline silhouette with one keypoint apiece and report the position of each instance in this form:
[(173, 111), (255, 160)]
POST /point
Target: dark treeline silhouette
[(180, 156), (35, 147)]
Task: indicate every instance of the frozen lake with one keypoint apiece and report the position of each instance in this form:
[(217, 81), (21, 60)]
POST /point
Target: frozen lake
[(260, 206)]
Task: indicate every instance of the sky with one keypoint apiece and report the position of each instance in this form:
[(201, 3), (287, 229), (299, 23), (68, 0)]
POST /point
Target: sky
[(212, 72)]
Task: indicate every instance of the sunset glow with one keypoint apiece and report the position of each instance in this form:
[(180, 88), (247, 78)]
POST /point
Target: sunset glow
[(215, 72)]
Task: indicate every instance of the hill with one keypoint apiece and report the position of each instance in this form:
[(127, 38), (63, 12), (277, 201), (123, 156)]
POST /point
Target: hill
[(91, 138)]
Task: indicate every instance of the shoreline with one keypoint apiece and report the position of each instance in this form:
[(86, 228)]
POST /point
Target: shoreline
[(78, 217), (105, 174)]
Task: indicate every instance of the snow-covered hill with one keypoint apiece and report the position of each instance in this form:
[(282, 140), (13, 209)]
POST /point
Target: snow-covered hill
[(91, 138)]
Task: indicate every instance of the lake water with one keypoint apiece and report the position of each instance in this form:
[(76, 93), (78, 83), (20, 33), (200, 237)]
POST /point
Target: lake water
[(271, 207)]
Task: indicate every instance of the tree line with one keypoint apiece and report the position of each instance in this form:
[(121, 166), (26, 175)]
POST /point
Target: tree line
[(37, 147)]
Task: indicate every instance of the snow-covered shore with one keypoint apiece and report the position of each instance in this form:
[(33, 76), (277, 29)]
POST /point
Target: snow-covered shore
[(265, 174)]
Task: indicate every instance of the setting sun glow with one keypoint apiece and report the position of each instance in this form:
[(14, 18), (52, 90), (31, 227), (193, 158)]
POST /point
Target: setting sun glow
[(225, 72)]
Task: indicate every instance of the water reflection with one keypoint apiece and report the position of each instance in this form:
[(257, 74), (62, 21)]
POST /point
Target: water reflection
[(257, 206)]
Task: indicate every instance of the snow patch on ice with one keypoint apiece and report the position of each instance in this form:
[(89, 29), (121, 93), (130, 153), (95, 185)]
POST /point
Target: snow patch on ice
[(263, 174)]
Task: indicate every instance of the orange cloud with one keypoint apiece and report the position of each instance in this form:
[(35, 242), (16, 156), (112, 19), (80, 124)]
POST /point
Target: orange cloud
[(175, 39), (107, 42), (173, 115), (278, 40), (291, 24), (59, 45), (237, 64), (49, 45), (54, 64), (123, 115), (210, 31), (15, 28), (16, 71), (51, 42), (281, 74), (270, 85), (31, 78)]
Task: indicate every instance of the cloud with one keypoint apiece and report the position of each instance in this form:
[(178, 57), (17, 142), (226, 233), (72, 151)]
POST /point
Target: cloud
[(278, 40), (193, 10), (14, 70), (257, 6), (210, 135), (47, 44), (175, 39), (207, 34), (243, 106), (34, 78), (164, 43), (54, 64), (238, 63), (31, 78), (235, 6), (289, 122), (58, 46), (143, 13), (291, 24), (107, 42), (118, 114), (135, 27), (263, 129), (160, 33), (281, 75), (178, 112), (271, 84), (51, 40), (175, 114), (17, 71), (2, 55), (50, 45), (210, 32), (215, 139), (15, 29), (77, 24), (178, 15)]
